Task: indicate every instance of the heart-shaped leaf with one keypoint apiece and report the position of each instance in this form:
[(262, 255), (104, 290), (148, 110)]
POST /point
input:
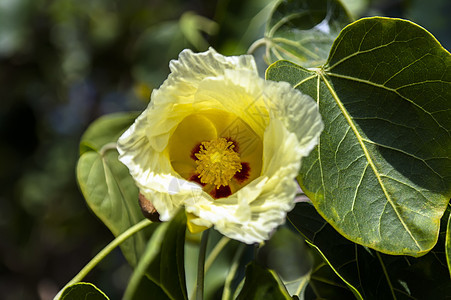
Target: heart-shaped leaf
[(381, 173), (107, 185), (106, 129), (304, 31)]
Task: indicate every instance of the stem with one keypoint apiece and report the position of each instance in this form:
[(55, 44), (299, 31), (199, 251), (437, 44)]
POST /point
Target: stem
[(107, 147), (255, 45), (105, 251), (211, 258), (201, 266), (226, 294), (215, 252), (386, 275), (152, 250)]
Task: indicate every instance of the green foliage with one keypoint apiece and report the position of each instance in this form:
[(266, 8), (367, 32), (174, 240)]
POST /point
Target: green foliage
[(369, 274), (171, 266), (166, 243), (381, 173), (83, 290), (105, 130), (303, 31), (262, 283), (106, 183), (379, 179)]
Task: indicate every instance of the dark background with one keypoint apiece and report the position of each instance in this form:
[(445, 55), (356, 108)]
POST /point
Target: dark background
[(64, 63)]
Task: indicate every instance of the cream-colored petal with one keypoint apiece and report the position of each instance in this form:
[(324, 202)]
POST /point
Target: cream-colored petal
[(251, 214), (239, 92), (284, 120), (298, 112), (192, 68)]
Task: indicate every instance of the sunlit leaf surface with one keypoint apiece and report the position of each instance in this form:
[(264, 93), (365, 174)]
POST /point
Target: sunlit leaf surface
[(381, 173), (107, 185)]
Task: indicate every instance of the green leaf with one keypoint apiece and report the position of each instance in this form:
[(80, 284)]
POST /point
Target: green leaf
[(372, 274), (381, 173), (164, 254), (106, 129), (147, 287), (172, 264), (287, 254), (151, 252), (337, 252), (82, 290), (303, 31), (262, 283), (107, 186), (324, 283)]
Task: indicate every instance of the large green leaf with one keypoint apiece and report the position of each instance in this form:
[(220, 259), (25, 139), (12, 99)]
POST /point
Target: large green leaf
[(304, 31), (381, 173), (107, 185), (82, 290), (370, 274), (262, 283)]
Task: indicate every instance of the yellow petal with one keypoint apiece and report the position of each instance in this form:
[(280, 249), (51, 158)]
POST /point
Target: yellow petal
[(193, 228), (192, 131)]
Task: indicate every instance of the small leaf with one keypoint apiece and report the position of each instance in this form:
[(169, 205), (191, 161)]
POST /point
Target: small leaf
[(304, 31), (106, 129), (107, 186), (262, 283), (381, 173), (82, 290)]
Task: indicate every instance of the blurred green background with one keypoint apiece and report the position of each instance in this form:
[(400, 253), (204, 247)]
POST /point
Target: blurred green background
[(64, 63)]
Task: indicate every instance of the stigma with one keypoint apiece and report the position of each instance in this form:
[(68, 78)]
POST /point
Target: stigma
[(217, 162)]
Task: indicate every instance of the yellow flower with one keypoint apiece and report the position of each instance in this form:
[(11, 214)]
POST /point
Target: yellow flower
[(222, 142)]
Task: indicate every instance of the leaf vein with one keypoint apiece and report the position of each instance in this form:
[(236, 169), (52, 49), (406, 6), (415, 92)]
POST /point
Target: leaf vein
[(390, 90), (368, 157)]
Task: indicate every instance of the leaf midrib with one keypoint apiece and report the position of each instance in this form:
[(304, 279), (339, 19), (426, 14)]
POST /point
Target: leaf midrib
[(367, 155)]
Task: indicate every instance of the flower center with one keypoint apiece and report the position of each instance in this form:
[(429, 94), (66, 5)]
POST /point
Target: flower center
[(217, 162)]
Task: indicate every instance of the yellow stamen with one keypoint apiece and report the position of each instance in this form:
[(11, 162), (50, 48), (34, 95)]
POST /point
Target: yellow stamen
[(217, 162)]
